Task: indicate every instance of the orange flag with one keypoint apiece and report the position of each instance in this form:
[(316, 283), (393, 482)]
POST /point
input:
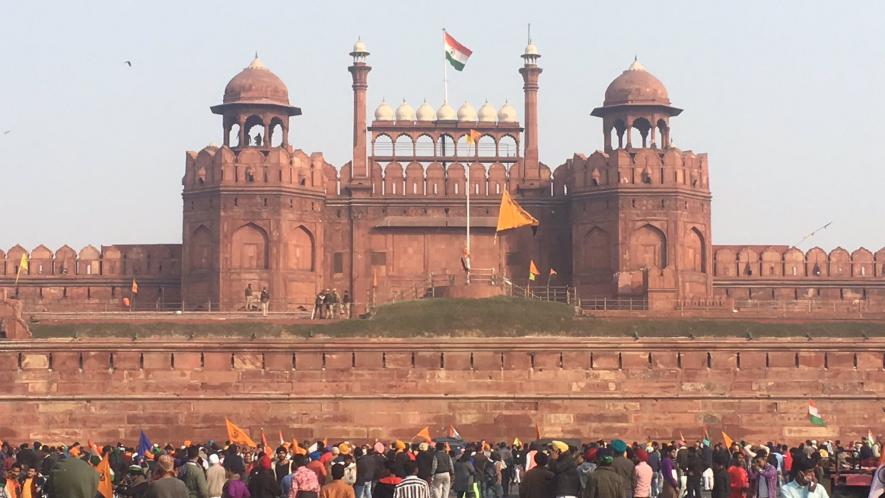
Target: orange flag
[(264, 440), (511, 215), (105, 481), (236, 435), (473, 137), (297, 449), (727, 440), (424, 434), (533, 270)]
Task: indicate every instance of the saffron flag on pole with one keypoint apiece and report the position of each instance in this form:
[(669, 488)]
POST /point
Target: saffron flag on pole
[(105, 481), (814, 415), (727, 440), (236, 435), (511, 215), (23, 263), (453, 433), (473, 137), (553, 272), (424, 434), (456, 53), (533, 270), (264, 440)]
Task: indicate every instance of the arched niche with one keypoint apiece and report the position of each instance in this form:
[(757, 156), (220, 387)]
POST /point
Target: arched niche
[(648, 248), (249, 246), (301, 249), (201, 249)]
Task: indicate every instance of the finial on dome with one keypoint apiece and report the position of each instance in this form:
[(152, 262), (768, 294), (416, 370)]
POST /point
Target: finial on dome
[(636, 66), (256, 63)]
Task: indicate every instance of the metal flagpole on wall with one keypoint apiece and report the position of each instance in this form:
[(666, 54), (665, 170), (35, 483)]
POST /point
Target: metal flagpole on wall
[(445, 71)]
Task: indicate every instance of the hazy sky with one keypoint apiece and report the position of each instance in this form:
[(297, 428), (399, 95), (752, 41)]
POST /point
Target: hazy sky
[(786, 97)]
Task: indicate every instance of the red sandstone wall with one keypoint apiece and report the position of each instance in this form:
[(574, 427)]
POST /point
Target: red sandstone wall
[(108, 392)]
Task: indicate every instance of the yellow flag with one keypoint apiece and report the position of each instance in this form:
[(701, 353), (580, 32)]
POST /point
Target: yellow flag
[(533, 270), (727, 440), (473, 137), (236, 435), (105, 481), (23, 263), (424, 434), (511, 215)]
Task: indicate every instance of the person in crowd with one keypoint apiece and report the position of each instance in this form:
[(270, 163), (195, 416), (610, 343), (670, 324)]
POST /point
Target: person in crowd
[(424, 459), (305, 481), (346, 304), (805, 484), (165, 484), (442, 469), (235, 487), (606, 481), (12, 488), (669, 474), (537, 482), (32, 483), (464, 477), (412, 486), (695, 468), (567, 483), (215, 476), (135, 484), (623, 465), (721, 487), (282, 466), (738, 478), (387, 483), (763, 477), (337, 488), (368, 469), (318, 304), (265, 301), (642, 474), (73, 478), (250, 302), (193, 475)]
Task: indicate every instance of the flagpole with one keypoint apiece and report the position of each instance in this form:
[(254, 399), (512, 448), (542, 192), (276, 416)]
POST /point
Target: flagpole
[(445, 72)]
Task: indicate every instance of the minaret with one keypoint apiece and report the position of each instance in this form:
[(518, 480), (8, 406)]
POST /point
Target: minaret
[(530, 72), (360, 73)]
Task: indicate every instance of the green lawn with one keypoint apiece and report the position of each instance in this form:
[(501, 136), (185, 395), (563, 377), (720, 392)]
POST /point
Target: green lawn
[(493, 317)]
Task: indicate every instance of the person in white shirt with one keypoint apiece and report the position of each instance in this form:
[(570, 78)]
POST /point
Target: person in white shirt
[(805, 485)]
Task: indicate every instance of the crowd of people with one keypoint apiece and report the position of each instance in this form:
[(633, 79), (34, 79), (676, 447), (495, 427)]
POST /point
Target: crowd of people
[(542, 469), (329, 304)]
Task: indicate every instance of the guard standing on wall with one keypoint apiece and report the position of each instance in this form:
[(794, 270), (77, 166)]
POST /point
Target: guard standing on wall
[(265, 301), (250, 301)]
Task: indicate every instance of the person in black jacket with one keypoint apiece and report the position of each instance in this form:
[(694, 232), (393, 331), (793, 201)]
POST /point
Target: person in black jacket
[(424, 459), (720, 479), (695, 467), (262, 483), (538, 482), (566, 482)]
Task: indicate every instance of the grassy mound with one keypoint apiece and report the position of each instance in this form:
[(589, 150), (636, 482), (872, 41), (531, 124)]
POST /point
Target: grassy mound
[(493, 317)]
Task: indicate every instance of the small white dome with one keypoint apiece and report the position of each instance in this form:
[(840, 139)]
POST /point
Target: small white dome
[(466, 113), (383, 112), (446, 113), (507, 114), (405, 112), (359, 47), (426, 112), (487, 113), (532, 49)]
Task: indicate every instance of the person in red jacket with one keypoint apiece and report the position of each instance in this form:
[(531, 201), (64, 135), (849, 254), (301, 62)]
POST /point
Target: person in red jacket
[(738, 479)]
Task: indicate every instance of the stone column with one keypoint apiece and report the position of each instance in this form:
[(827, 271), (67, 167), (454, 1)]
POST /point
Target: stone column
[(360, 165), (531, 165)]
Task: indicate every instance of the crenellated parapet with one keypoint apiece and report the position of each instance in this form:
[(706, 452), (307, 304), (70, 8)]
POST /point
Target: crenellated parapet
[(142, 260)]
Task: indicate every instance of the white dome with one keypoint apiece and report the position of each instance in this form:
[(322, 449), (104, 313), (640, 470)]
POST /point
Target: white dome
[(359, 47), (487, 113), (507, 114), (466, 112), (445, 113), (532, 49), (383, 112), (405, 112), (426, 112)]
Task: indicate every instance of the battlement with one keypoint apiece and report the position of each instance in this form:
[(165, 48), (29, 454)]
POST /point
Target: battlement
[(645, 167)]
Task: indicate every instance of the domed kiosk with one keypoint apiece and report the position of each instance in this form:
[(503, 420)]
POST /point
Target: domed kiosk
[(256, 97), (636, 99)]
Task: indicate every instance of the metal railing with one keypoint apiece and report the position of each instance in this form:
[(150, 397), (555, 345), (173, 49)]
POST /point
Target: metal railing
[(614, 304)]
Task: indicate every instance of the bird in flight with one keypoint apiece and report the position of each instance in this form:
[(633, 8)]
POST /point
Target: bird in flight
[(128, 63)]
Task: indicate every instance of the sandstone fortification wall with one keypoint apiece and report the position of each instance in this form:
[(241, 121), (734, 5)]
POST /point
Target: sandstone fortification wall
[(109, 391)]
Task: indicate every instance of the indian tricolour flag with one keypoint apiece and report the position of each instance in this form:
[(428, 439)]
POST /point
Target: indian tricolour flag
[(456, 53), (814, 415)]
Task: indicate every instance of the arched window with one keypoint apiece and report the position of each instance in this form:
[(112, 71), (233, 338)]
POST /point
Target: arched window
[(249, 248), (648, 248), (596, 257), (277, 133), (301, 249), (233, 136), (486, 146), (695, 253), (507, 147), (446, 146), (404, 146), (465, 149), (254, 132), (639, 133), (201, 249), (382, 146), (424, 146)]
